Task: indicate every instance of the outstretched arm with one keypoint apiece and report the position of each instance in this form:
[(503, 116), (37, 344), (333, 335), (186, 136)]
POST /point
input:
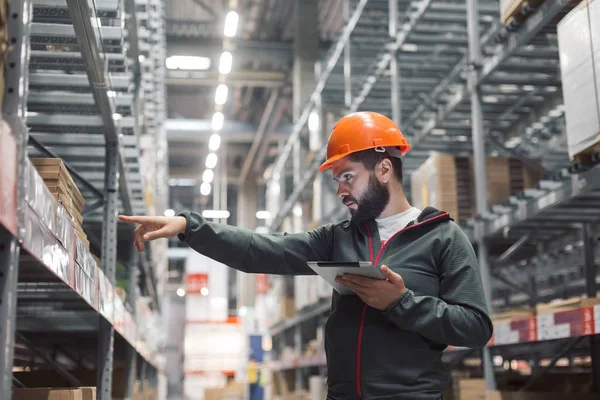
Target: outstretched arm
[(242, 249)]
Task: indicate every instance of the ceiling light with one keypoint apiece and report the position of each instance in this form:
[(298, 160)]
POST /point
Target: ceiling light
[(529, 88), (211, 160), (231, 24), (204, 291), (263, 215), (225, 63), (217, 214), (188, 62), (490, 99), (117, 116), (111, 93), (141, 58), (297, 210), (208, 176), (313, 121), (438, 131), (410, 47), (217, 121), (221, 94), (182, 182), (169, 213), (180, 292), (205, 189), (214, 142)]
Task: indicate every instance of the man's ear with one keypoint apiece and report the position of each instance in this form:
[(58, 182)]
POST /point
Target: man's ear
[(385, 170)]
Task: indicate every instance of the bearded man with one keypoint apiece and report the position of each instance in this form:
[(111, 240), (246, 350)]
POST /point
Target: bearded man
[(386, 341)]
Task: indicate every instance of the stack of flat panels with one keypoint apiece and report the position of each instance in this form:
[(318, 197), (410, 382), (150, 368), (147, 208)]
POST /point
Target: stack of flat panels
[(579, 50), (65, 191)]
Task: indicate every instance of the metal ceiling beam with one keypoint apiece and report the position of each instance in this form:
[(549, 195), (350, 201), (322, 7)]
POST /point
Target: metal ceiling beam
[(200, 130), (269, 79)]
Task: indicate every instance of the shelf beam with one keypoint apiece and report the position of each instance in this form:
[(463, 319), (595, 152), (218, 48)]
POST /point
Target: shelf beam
[(591, 288)]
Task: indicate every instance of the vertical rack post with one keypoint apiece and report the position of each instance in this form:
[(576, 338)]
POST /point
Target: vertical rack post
[(13, 111), (132, 295), (109, 259), (590, 289), (347, 61), (480, 170), (299, 371), (395, 89)]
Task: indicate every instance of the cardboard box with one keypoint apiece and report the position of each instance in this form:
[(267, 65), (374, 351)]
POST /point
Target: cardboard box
[(47, 394), (573, 303), (448, 183)]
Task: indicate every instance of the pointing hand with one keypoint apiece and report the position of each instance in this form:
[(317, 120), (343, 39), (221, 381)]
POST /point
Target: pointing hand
[(152, 228)]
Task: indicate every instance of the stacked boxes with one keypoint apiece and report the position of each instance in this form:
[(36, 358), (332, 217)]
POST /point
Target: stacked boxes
[(579, 51), (84, 393), (448, 183), (65, 191)]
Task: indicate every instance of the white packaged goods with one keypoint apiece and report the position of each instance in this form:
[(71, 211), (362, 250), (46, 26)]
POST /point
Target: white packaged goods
[(579, 51)]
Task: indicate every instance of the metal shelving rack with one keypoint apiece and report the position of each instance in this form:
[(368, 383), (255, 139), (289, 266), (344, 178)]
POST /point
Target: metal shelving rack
[(72, 90), (457, 81)]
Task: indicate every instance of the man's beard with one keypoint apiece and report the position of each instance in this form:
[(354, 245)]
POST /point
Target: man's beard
[(372, 204)]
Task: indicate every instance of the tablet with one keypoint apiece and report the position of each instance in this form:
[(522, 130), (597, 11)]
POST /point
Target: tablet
[(329, 270)]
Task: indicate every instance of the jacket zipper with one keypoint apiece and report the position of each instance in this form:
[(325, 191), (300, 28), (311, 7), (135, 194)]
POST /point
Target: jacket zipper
[(364, 311)]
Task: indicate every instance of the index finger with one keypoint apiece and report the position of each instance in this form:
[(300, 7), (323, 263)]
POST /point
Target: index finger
[(134, 219)]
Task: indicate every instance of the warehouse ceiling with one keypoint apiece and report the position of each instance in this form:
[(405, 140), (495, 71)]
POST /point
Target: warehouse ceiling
[(263, 56), (521, 96)]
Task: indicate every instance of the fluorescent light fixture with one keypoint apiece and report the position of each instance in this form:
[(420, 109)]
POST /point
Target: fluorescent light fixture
[(141, 58), (208, 176), (183, 182), (508, 88), (204, 291), (243, 311), (188, 62), (221, 94), (169, 213), (438, 132), (462, 138), (111, 93), (218, 214), (490, 99), (231, 24), (214, 142), (211, 160), (225, 63), (180, 292), (409, 47), (217, 121), (263, 215), (297, 210), (205, 189), (117, 116), (313, 121), (529, 88)]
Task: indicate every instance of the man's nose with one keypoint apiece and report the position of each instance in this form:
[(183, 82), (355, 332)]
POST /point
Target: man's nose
[(342, 191)]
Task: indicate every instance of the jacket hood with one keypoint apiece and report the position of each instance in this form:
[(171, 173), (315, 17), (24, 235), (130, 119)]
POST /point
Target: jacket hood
[(428, 215)]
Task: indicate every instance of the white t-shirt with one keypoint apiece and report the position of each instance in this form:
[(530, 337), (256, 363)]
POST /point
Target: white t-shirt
[(390, 225)]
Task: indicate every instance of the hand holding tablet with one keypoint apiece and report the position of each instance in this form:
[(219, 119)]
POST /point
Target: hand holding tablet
[(330, 270)]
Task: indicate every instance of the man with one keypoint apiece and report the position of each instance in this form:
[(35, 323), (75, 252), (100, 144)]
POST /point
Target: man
[(387, 341)]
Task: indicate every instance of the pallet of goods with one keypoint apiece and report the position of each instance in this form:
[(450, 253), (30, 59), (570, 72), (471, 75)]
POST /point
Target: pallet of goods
[(61, 185), (447, 182), (579, 52)]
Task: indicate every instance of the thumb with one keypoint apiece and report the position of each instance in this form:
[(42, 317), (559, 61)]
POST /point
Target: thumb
[(158, 234), (391, 275)]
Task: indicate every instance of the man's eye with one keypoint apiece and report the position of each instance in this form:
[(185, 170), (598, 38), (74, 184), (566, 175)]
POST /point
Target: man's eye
[(347, 177)]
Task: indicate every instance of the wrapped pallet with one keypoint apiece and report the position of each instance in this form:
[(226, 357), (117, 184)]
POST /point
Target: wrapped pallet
[(448, 183), (579, 51)]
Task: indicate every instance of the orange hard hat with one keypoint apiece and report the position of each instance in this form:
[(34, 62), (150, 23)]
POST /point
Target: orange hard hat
[(361, 131)]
